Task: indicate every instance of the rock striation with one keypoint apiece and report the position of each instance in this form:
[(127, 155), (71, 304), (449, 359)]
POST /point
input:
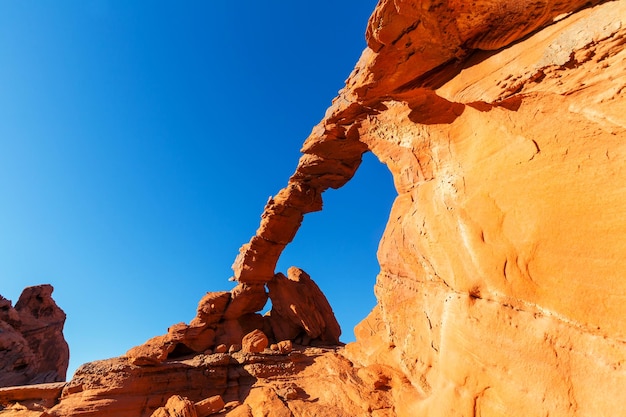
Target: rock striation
[(501, 290), (32, 347)]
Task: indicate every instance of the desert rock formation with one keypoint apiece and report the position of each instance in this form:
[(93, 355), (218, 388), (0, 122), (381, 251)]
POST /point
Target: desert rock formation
[(300, 313), (502, 289), (32, 347)]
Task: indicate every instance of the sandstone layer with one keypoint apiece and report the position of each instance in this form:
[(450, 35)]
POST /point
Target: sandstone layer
[(501, 290), (32, 347)]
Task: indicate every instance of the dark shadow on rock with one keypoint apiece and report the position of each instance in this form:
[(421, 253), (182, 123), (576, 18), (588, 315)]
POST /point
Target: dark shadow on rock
[(512, 103), (428, 108)]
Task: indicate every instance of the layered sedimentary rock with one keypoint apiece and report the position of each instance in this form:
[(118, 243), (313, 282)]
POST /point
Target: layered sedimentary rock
[(32, 347), (501, 291)]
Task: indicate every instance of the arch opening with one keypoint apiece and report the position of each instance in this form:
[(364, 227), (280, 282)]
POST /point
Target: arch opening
[(337, 246)]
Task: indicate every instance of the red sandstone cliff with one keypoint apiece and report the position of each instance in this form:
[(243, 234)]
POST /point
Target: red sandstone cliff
[(501, 291), (32, 347)]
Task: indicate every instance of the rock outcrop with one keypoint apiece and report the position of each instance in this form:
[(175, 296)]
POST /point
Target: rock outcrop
[(300, 310), (501, 291), (228, 320), (32, 347)]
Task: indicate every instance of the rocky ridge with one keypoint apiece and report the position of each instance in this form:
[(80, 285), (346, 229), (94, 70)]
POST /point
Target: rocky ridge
[(501, 286)]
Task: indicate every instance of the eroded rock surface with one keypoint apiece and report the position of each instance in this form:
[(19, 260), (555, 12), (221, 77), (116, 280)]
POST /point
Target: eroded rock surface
[(300, 310), (228, 321), (32, 347), (502, 289)]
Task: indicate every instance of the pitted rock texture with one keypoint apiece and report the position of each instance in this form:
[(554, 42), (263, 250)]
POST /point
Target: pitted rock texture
[(32, 347), (502, 289)]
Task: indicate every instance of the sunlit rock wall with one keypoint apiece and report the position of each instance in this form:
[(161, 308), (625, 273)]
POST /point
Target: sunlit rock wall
[(502, 289)]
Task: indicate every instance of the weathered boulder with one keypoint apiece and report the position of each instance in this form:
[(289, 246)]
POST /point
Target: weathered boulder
[(284, 346), (32, 347), (254, 342), (298, 305), (209, 406), (211, 308), (176, 406)]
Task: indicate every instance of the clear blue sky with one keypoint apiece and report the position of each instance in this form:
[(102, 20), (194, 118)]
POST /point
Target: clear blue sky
[(139, 142)]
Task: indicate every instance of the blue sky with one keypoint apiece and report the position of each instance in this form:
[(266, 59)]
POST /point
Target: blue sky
[(139, 142)]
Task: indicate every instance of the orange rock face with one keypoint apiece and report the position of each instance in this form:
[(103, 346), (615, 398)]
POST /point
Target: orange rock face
[(254, 342), (32, 347), (502, 289), (502, 278), (300, 311)]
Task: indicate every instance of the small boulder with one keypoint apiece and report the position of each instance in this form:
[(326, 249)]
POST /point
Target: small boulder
[(209, 406), (221, 348), (152, 352), (176, 406), (254, 342), (298, 303), (211, 308), (284, 346)]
